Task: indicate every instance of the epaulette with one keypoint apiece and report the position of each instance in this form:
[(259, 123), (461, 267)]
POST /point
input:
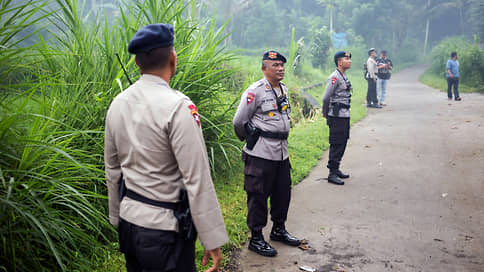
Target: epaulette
[(256, 84)]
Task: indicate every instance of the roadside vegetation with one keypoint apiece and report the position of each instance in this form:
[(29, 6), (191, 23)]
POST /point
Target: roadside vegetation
[(471, 68)]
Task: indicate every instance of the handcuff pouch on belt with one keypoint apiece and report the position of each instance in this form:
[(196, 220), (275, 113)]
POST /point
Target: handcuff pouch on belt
[(254, 133), (181, 209), (337, 106)]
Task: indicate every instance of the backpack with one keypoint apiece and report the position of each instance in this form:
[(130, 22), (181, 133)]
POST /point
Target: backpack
[(365, 71)]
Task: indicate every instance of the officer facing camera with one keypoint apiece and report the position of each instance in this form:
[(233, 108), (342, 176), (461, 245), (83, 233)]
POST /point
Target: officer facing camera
[(336, 110), (262, 119)]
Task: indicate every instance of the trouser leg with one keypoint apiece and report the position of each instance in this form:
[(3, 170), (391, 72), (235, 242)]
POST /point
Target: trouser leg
[(150, 250), (281, 193), (449, 87), (336, 152), (373, 97), (378, 89), (456, 87), (186, 261), (368, 99), (256, 211), (383, 89), (339, 132)]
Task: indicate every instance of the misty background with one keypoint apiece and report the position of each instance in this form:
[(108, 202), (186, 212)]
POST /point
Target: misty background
[(409, 27), (59, 72)]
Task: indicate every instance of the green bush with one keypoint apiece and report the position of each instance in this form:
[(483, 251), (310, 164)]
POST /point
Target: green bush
[(320, 47), (471, 60)]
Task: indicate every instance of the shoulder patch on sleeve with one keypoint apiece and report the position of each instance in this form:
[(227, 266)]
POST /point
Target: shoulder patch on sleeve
[(194, 112), (250, 97), (333, 80)]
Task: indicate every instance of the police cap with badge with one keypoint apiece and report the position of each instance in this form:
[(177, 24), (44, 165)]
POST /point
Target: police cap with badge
[(341, 54), (150, 37), (273, 55)]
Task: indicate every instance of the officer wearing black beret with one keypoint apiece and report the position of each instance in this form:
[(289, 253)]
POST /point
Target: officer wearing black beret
[(153, 140), (336, 110), (262, 120)]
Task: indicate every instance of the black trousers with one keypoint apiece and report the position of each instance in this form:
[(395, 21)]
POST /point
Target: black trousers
[(453, 81), (264, 179), (371, 96), (339, 132), (150, 250)]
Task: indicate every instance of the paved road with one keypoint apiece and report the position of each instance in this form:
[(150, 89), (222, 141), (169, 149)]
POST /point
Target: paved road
[(415, 200)]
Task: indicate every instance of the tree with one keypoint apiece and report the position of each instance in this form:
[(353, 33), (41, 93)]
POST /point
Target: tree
[(320, 47)]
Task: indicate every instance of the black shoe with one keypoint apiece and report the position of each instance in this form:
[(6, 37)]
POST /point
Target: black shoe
[(280, 234), (333, 178), (458, 99), (261, 247), (341, 174), (377, 106)]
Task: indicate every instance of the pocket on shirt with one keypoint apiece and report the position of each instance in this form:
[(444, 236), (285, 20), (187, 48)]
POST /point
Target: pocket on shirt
[(271, 116)]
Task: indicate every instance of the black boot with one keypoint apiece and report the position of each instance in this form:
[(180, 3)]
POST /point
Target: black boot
[(341, 174), (279, 233), (260, 246), (333, 178)]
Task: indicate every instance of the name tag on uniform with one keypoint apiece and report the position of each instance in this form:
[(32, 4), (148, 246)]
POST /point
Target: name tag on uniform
[(268, 104)]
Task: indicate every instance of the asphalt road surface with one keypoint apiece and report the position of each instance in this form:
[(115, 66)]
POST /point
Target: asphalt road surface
[(415, 198)]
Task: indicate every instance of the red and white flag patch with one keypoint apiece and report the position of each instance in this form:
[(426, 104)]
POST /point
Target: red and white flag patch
[(194, 112), (250, 97), (333, 80)]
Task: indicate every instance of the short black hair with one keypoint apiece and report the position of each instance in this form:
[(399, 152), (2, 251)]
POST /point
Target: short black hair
[(453, 54), (154, 59), (383, 52)]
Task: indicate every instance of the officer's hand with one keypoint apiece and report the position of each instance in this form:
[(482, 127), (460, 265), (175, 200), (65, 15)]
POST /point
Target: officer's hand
[(216, 255)]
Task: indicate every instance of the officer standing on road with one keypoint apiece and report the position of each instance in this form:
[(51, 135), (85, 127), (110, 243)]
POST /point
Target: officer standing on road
[(262, 119), (336, 110), (371, 95), (154, 141)]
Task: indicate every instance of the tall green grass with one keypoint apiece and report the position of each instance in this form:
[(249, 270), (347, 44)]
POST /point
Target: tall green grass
[(53, 209)]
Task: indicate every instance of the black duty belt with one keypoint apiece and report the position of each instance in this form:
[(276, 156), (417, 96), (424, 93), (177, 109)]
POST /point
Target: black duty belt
[(161, 204), (340, 105), (274, 135)]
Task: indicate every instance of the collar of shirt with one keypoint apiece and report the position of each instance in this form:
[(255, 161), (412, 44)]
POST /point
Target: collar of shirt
[(154, 79)]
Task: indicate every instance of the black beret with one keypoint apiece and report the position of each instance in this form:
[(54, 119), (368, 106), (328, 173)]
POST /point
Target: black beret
[(341, 54), (150, 37), (273, 55)]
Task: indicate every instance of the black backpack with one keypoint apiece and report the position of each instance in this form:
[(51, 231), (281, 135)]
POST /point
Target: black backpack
[(365, 70)]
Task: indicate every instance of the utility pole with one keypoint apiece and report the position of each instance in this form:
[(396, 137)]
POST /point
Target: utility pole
[(427, 29)]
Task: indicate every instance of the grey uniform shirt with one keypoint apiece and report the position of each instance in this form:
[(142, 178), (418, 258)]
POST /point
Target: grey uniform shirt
[(259, 107), (372, 67), (336, 91), (154, 138)]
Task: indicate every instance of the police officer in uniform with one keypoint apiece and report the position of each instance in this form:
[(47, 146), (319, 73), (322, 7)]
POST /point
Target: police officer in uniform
[(262, 119), (154, 141), (336, 110)]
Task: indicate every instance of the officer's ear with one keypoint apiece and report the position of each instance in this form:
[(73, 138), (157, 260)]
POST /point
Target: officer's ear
[(263, 67), (173, 61), (136, 60)]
